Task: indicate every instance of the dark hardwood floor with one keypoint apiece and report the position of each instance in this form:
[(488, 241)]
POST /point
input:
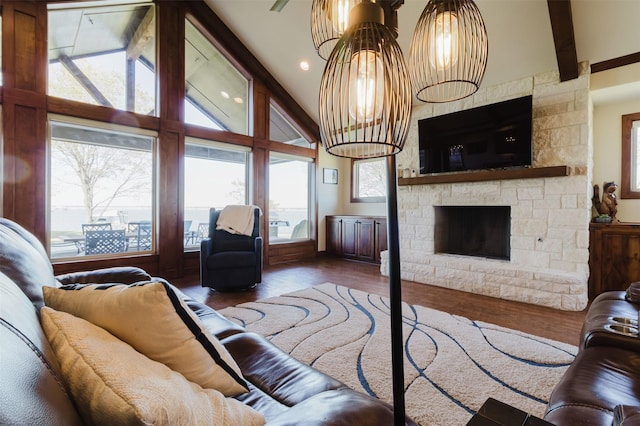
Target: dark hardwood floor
[(559, 325)]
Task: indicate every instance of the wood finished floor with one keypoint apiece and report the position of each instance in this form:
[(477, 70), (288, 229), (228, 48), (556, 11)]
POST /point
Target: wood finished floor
[(554, 324)]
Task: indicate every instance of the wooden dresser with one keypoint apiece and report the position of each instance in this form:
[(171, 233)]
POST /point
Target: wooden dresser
[(357, 237), (614, 256)]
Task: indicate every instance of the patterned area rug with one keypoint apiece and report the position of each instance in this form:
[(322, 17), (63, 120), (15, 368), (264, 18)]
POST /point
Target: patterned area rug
[(452, 364)]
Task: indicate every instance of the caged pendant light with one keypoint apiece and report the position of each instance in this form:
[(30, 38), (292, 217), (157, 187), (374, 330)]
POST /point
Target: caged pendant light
[(448, 51), (365, 92), (329, 20)]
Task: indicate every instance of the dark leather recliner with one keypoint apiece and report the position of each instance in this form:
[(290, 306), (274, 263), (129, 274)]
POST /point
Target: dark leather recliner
[(231, 261)]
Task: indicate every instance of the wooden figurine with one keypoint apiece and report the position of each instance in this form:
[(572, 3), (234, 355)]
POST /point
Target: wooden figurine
[(609, 203)]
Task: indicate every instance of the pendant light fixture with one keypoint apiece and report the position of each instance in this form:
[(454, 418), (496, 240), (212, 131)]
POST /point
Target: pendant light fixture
[(365, 92), (329, 20), (448, 51), (365, 99), (365, 108)]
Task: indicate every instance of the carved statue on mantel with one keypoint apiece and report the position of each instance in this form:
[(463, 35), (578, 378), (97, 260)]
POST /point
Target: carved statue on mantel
[(609, 204)]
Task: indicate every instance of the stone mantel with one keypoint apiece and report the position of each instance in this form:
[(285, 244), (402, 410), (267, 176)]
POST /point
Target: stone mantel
[(486, 175)]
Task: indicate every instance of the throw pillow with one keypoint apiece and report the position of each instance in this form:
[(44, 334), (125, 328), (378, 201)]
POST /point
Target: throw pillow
[(113, 384), (155, 321)]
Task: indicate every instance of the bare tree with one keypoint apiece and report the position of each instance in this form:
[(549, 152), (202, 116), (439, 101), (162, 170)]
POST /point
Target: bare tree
[(103, 173)]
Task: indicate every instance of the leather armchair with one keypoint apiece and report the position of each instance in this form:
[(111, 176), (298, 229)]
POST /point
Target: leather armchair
[(231, 261)]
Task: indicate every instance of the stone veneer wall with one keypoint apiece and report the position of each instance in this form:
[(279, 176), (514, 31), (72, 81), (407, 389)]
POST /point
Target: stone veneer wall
[(549, 216)]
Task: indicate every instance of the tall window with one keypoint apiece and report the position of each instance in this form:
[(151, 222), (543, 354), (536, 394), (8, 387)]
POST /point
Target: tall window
[(101, 179), (216, 93), (290, 197), (630, 187), (103, 55), (368, 181), (215, 176)]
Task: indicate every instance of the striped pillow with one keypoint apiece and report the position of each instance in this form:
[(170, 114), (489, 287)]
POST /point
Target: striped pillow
[(156, 322)]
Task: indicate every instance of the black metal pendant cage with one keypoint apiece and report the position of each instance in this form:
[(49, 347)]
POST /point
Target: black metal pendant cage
[(448, 51), (365, 95), (329, 21)]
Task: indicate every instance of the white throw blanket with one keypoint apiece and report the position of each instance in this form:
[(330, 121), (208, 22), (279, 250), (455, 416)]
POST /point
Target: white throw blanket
[(236, 219)]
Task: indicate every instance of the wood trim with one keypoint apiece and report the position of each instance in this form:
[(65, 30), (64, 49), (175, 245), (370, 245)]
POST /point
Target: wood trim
[(615, 62), (625, 185), (563, 38), (484, 175)]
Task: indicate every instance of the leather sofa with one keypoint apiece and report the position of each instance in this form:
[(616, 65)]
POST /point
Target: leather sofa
[(284, 390), (602, 385)]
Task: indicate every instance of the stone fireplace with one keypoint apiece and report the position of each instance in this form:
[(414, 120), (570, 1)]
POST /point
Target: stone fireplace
[(548, 232)]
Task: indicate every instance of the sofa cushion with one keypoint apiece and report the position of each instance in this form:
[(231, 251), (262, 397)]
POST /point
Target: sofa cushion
[(31, 389), (599, 379), (112, 383), (156, 322), (24, 261)]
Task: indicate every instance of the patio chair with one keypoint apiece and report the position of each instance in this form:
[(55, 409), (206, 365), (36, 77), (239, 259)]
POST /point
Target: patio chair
[(139, 235), (231, 261), (107, 241), (202, 232), (98, 226)]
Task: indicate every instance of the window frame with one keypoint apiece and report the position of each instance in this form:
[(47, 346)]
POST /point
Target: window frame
[(355, 180), (630, 157), (105, 127)]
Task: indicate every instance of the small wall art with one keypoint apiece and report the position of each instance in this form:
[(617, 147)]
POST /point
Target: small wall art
[(330, 176)]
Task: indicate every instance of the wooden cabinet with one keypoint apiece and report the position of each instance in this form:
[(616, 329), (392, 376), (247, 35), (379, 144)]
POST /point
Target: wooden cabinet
[(614, 257), (357, 237)]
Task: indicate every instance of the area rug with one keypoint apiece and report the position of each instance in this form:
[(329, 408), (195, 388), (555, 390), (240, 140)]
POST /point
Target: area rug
[(452, 364)]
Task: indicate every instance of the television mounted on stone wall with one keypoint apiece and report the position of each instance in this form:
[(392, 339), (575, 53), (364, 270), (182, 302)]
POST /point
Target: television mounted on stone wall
[(494, 136)]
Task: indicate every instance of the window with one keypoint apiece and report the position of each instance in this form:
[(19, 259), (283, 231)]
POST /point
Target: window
[(630, 187), (290, 207), (369, 181), (281, 129), (101, 189), (215, 175), (104, 55), (216, 93)]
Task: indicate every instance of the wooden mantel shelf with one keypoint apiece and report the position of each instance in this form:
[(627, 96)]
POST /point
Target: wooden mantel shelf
[(484, 175)]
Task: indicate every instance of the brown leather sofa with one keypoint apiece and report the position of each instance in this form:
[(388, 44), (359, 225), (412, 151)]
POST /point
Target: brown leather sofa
[(286, 391), (602, 385)]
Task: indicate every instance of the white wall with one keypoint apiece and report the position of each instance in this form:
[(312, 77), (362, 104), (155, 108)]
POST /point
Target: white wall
[(607, 151)]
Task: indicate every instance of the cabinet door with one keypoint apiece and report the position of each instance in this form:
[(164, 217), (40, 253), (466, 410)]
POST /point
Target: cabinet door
[(349, 237), (620, 254), (334, 236), (381, 241), (365, 242)]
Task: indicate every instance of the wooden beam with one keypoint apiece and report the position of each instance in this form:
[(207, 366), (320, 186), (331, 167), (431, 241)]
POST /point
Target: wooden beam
[(143, 35), (615, 62), (81, 77), (563, 38)]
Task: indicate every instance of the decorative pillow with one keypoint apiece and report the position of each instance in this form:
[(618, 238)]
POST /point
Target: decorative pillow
[(155, 321), (113, 384)]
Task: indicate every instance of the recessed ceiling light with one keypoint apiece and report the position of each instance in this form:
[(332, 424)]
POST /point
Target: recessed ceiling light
[(238, 100), (224, 94), (304, 65)]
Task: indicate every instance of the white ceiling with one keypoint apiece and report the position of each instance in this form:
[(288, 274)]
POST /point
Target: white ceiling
[(519, 31)]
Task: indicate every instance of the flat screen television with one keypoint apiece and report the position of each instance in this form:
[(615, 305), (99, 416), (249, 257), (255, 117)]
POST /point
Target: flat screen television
[(495, 136)]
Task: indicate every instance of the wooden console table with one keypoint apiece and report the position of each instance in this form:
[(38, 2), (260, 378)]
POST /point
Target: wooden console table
[(614, 256)]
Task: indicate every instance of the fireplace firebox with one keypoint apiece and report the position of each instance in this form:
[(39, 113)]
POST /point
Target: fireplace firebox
[(480, 231)]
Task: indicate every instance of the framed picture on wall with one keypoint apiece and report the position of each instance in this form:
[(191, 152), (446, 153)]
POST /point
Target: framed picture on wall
[(330, 176)]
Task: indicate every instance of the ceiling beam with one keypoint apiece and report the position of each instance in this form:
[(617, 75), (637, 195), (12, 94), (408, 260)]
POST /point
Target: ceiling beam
[(563, 38), (615, 62)]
